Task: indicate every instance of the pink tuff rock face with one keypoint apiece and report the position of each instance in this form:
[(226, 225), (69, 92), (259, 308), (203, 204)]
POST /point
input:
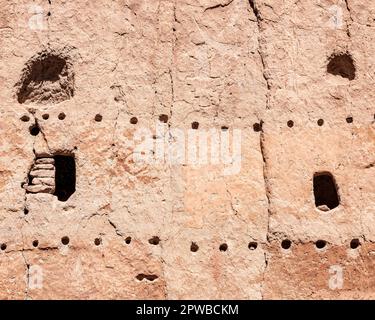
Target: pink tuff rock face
[(193, 149)]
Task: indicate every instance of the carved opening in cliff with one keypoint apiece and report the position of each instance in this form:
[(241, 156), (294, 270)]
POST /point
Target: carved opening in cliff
[(148, 277), (320, 244), (47, 78), (25, 118), (349, 120), (61, 116), (155, 240), (65, 240), (342, 64), (252, 246), (286, 244), (354, 244), (163, 118), (34, 129), (194, 247), (257, 127), (65, 177), (134, 120), (223, 247), (325, 191)]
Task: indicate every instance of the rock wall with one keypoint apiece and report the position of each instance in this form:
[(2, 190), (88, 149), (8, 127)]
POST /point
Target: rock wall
[(190, 149)]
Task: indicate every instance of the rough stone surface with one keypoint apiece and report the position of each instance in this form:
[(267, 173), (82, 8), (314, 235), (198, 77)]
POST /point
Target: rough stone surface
[(290, 82)]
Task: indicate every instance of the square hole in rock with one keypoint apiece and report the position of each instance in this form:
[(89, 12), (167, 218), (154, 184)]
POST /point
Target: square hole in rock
[(325, 192), (65, 177)]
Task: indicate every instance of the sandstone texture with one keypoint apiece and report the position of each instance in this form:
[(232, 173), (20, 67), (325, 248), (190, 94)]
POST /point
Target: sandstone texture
[(187, 149)]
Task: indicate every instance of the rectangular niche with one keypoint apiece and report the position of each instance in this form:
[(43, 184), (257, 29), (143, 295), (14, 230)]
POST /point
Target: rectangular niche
[(325, 191), (65, 177)]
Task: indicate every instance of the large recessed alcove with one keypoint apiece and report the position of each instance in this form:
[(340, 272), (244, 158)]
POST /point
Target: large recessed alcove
[(47, 78), (342, 64)]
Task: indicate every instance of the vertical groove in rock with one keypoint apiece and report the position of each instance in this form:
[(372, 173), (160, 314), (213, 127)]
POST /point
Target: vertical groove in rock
[(266, 77)]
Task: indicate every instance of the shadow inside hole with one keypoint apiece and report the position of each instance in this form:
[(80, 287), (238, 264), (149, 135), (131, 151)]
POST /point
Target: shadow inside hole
[(148, 277), (34, 130), (65, 240), (46, 78), (65, 177), (195, 125), (286, 244), (194, 247), (134, 120), (320, 244), (223, 247), (25, 118), (354, 244), (154, 240), (342, 65), (257, 127), (325, 191), (253, 245), (163, 118), (349, 120)]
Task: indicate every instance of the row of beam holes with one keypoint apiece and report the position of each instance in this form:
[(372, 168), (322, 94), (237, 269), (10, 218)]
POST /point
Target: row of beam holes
[(285, 244), (320, 244), (154, 241), (45, 116), (134, 120), (320, 122), (61, 116), (35, 244), (195, 125), (257, 126), (34, 128)]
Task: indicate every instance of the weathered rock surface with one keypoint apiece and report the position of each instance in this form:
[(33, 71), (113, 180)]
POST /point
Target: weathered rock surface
[(103, 193)]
